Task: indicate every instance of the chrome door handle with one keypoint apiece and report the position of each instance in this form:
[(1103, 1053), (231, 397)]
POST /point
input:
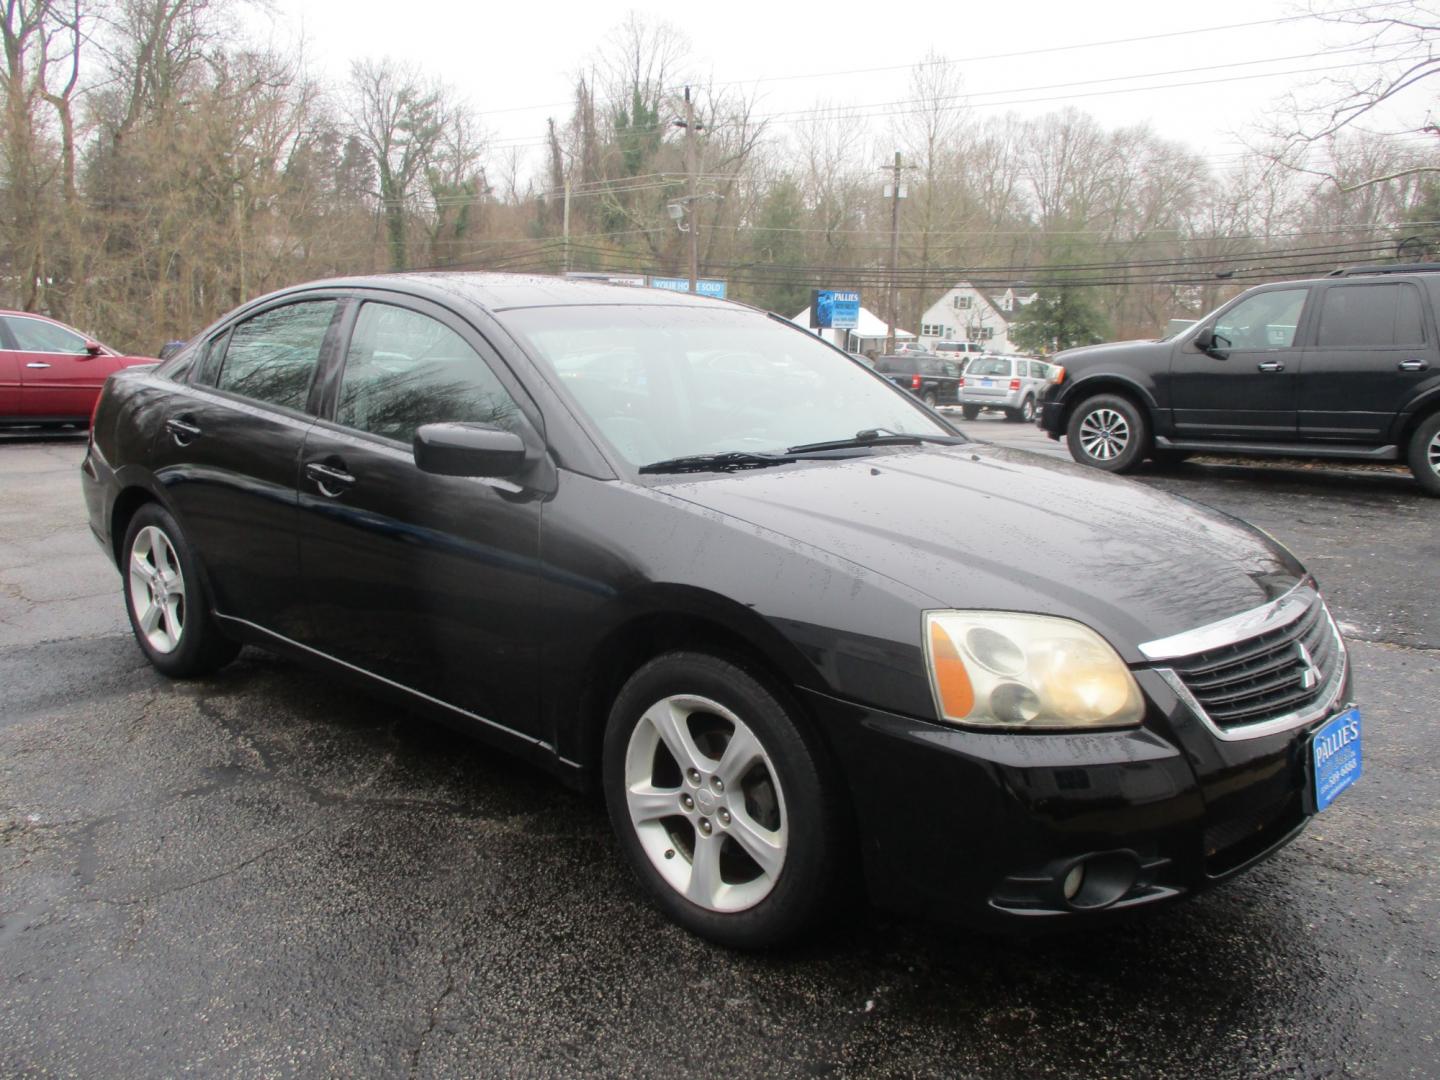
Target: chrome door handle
[(329, 480), (37, 364), (181, 430), (1413, 365), (1271, 365)]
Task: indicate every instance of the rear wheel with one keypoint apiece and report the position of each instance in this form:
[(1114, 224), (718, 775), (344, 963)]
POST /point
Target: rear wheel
[(165, 600), (721, 806), (970, 412), (1424, 454), (1108, 432), (929, 399)]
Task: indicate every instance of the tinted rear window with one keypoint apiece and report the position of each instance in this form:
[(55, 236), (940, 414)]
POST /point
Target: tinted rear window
[(1371, 315)]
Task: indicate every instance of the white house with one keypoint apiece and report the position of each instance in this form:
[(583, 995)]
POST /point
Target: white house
[(967, 313)]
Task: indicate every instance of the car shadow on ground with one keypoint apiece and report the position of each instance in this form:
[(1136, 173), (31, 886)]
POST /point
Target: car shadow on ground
[(1198, 966), (1291, 476)]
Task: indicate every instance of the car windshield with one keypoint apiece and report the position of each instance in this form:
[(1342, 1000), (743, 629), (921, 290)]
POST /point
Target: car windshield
[(988, 367), (664, 382)]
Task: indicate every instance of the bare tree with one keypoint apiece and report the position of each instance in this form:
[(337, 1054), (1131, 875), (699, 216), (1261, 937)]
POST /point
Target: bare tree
[(1402, 37), (398, 118)]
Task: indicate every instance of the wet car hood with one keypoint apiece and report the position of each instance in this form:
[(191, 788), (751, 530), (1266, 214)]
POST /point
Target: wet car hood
[(978, 526)]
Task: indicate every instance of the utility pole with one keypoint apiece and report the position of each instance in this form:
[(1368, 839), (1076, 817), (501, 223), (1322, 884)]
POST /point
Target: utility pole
[(690, 170), (894, 305), (566, 226)]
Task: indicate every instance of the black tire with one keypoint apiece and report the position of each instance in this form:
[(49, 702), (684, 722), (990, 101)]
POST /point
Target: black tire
[(929, 399), (1424, 454), (805, 800), (1115, 426), (199, 647), (970, 412), (1027, 410)]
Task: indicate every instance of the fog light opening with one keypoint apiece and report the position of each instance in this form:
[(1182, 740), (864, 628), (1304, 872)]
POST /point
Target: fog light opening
[(1097, 881), (1073, 880)]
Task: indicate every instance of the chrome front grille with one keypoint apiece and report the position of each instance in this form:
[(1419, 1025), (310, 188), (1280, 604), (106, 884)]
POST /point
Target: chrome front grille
[(1282, 671)]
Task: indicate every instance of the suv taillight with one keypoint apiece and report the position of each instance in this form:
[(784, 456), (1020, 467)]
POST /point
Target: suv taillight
[(914, 382), (1014, 384)]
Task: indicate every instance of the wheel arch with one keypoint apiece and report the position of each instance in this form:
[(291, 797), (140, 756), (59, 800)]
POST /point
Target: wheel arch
[(671, 619), (1415, 414), (1085, 389)]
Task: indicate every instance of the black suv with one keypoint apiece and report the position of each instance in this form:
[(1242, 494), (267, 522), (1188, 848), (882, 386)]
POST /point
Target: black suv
[(933, 380), (1344, 367)]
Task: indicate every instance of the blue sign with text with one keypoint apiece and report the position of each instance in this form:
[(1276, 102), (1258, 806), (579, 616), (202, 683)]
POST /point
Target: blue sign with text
[(680, 284), (837, 309), (1335, 751)]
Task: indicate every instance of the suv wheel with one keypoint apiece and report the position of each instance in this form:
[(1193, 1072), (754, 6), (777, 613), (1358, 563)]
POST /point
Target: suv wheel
[(970, 412), (1109, 432), (1424, 454), (1025, 413), (719, 802), (929, 399)]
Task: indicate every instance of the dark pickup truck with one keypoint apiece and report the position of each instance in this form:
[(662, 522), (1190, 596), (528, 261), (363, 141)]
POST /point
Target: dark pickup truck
[(1346, 367)]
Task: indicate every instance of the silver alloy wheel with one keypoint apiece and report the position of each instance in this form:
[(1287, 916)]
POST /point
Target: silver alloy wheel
[(1104, 434), (708, 809), (1027, 410), (1432, 454), (157, 589)]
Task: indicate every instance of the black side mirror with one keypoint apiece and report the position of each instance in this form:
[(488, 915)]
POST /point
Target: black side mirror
[(1212, 345), (93, 348), (468, 450)]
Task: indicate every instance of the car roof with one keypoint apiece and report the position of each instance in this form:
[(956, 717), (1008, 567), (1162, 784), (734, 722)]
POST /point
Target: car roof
[(499, 292)]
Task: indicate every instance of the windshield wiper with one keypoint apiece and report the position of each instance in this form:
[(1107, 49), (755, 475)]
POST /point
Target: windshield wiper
[(726, 461), (877, 437)]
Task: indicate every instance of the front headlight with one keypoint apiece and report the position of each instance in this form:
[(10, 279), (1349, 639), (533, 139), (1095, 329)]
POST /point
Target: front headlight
[(1033, 672)]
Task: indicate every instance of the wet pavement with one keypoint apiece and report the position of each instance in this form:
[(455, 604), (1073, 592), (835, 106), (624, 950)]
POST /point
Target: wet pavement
[(267, 873)]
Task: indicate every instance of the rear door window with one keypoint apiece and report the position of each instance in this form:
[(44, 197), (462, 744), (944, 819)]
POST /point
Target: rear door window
[(271, 357), (1371, 316)]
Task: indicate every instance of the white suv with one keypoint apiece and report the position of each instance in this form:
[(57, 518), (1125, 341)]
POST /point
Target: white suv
[(1011, 384)]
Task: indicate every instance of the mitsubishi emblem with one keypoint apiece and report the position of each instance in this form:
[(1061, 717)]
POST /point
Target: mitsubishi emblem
[(1310, 677)]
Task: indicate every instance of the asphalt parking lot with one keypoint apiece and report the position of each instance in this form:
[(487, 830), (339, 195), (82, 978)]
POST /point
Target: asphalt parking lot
[(267, 873)]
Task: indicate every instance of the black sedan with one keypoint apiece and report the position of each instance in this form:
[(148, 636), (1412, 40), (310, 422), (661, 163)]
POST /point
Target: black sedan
[(763, 599)]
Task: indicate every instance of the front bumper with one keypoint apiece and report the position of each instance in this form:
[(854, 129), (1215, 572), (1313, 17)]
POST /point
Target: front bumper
[(1051, 418), (982, 829)]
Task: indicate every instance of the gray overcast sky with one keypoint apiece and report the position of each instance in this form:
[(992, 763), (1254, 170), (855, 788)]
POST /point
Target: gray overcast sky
[(515, 61)]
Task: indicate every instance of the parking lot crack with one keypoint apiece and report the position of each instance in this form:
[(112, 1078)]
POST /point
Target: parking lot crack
[(432, 1014)]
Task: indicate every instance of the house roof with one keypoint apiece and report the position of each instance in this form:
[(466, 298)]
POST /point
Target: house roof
[(870, 325)]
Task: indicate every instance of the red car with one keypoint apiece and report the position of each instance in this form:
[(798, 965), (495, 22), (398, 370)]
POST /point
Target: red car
[(51, 373)]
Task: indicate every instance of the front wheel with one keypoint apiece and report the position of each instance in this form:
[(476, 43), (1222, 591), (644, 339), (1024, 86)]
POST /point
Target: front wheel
[(164, 597), (720, 804), (1424, 454), (1108, 432)]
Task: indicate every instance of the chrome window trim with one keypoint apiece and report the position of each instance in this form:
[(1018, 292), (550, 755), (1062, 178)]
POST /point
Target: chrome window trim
[(1326, 705), (1236, 628)]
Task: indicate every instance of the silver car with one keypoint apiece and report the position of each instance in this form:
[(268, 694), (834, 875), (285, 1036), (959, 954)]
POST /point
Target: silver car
[(1011, 384)]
